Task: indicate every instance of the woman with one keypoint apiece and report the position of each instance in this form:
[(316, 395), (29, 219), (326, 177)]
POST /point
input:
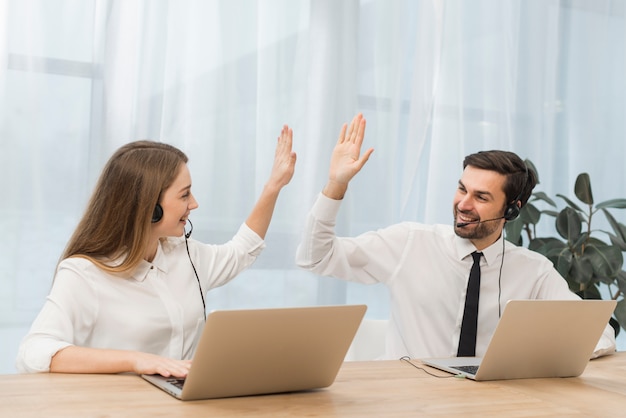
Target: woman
[(128, 294)]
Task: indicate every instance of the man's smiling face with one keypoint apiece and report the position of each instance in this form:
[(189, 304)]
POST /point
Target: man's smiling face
[(479, 203)]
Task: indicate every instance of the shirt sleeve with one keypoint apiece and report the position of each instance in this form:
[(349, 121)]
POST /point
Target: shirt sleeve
[(318, 236), (606, 345), (368, 258), (68, 309), (221, 263)]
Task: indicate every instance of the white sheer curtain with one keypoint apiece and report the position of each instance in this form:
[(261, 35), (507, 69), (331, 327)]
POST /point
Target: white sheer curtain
[(435, 79)]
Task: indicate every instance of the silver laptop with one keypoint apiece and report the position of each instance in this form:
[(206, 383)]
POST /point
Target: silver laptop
[(537, 338), (263, 351)]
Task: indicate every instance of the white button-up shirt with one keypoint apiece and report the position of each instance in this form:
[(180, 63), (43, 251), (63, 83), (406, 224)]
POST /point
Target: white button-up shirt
[(426, 268), (155, 309)]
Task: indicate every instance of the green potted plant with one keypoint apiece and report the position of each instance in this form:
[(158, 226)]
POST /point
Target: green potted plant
[(587, 258)]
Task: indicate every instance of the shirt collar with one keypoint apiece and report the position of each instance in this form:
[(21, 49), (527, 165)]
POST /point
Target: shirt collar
[(160, 262), (465, 248)]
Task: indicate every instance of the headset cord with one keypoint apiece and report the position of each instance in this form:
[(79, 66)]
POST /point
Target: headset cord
[(197, 278)]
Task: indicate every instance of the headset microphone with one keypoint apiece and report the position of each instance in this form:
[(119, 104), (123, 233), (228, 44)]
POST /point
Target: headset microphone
[(462, 224), (188, 234)]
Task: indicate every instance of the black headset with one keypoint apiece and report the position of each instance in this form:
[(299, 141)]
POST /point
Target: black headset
[(157, 214), (511, 212)]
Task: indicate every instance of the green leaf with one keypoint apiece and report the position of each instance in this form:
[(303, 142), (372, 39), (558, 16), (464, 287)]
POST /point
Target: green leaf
[(620, 229), (562, 263), (606, 260), (529, 214), (568, 224), (581, 270), (591, 292), (582, 188), (513, 230), (578, 246), (604, 279), (544, 197), (569, 202), (620, 278), (613, 203), (618, 242), (552, 213), (546, 246), (555, 250)]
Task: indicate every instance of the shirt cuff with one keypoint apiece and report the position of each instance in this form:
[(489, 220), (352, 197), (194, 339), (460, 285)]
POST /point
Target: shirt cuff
[(35, 357), (253, 241), (325, 208), (605, 347)]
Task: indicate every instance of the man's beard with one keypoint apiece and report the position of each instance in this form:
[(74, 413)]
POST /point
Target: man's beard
[(476, 229)]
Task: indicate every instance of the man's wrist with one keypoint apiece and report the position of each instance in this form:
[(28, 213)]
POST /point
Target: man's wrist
[(334, 190)]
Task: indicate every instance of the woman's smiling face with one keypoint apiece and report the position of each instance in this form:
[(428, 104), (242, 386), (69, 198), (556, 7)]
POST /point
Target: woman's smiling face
[(177, 202)]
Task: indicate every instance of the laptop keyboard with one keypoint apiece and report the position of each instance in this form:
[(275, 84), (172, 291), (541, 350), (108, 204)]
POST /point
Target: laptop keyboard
[(466, 369), (177, 382)]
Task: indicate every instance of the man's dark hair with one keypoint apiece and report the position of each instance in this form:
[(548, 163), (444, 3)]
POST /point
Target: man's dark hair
[(520, 179)]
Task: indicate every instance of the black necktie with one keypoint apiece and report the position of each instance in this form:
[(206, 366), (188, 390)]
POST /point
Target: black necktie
[(467, 340)]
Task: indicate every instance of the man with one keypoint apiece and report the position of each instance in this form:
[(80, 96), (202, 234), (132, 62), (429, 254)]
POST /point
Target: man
[(426, 267)]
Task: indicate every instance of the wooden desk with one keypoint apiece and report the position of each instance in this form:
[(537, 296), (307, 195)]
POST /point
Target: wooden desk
[(380, 389)]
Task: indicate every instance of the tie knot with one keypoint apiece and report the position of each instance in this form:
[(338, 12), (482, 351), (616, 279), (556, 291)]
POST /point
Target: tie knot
[(476, 255)]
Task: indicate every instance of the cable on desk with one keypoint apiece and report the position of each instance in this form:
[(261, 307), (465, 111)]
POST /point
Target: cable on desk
[(407, 359)]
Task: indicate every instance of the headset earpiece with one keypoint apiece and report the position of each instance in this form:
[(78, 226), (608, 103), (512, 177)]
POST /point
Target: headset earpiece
[(512, 211), (157, 214)]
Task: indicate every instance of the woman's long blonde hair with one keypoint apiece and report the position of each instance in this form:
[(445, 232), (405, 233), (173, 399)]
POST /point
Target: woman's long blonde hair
[(117, 222)]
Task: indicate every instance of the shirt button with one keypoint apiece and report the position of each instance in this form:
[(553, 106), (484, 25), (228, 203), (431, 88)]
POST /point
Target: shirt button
[(151, 267)]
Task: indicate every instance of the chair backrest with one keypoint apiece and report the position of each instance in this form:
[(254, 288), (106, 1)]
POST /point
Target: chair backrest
[(369, 341)]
